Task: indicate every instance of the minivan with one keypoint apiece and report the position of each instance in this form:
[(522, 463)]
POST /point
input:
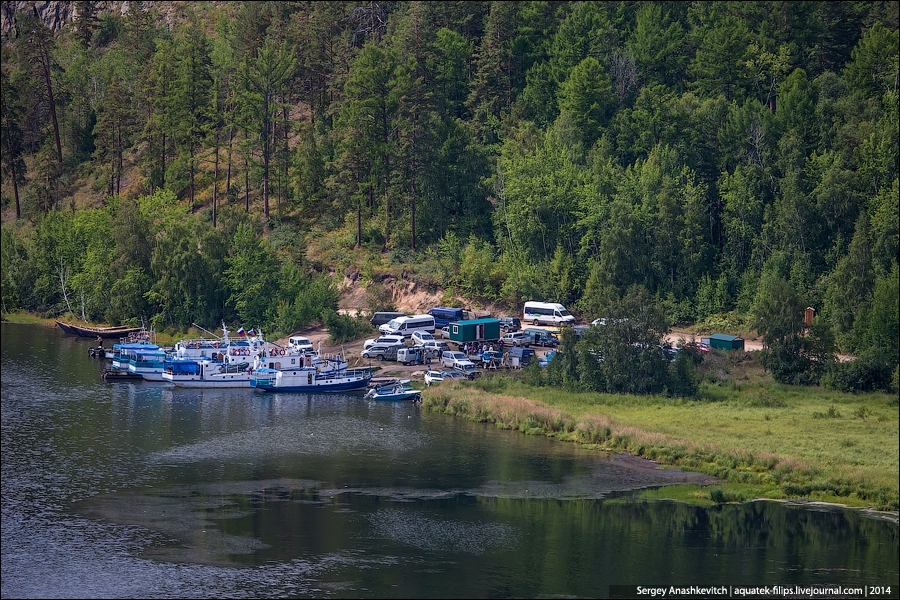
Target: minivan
[(380, 318), (405, 326), (546, 313), (444, 315)]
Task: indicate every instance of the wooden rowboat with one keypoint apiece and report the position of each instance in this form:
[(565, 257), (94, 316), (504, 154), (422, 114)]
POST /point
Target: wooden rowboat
[(92, 332)]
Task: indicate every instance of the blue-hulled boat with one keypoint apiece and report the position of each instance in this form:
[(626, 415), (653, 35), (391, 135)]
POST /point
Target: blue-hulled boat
[(394, 392)]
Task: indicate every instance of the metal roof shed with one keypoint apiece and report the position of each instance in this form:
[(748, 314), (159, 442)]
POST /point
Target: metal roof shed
[(723, 341), (475, 330)]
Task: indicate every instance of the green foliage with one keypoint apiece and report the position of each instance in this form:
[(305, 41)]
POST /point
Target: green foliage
[(345, 328), (504, 151), (868, 372)]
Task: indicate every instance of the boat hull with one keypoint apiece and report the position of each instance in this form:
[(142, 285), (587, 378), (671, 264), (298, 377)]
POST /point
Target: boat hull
[(310, 381), (93, 332)]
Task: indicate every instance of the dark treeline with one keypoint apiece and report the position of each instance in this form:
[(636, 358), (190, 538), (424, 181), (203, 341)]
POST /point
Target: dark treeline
[(730, 162)]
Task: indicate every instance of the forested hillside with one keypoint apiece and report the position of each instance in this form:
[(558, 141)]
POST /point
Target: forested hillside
[(733, 162)]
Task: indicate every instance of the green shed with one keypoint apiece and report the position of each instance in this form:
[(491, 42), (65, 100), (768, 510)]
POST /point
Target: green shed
[(724, 342), (475, 330)]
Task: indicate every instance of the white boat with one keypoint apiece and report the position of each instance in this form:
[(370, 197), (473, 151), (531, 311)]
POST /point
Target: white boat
[(310, 379), (206, 373), (395, 392)]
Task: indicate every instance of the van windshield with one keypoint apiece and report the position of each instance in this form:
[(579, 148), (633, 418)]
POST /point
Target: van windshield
[(394, 324), (564, 313)]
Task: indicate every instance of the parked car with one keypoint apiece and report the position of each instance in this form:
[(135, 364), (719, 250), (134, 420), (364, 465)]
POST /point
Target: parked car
[(381, 352), (453, 374), (420, 337), (541, 337), (388, 340), (445, 332), (415, 355), (697, 347), (515, 338), (508, 324), (380, 318), (448, 358), (436, 347), (467, 368), (434, 376)]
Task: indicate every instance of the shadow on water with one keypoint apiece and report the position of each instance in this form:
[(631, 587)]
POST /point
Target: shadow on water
[(137, 489)]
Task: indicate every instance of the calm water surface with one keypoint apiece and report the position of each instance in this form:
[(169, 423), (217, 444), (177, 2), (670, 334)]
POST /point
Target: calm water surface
[(118, 490)]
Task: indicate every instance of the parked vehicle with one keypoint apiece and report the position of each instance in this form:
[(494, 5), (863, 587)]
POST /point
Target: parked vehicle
[(380, 352), (515, 338), (541, 337), (520, 357), (300, 344), (546, 313), (508, 324), (380, 318), (444, 315), (415, 355), (697, 347), (435, 347), (405, 326), (467, 368), (420, 337), (492, 359), (433, 377), (448, 358), (388, 340), (445, 332)]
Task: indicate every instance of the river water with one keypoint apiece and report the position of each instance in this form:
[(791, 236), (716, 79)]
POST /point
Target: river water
[(137, 489)]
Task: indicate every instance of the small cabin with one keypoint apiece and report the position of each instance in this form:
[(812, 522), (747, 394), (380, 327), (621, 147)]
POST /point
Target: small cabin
[(475, 330), (722, 341)]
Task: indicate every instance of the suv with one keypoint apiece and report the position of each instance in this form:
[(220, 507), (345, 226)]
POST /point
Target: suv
[(435, 347), (448, 359), (381, 352), (508, 324), (467, 368), (420, 337), (387, 340), (515, 338)]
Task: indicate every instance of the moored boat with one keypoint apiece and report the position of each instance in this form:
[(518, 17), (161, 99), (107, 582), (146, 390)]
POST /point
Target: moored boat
[(207, 374), (309, 379), (92, 332), (395, 392)]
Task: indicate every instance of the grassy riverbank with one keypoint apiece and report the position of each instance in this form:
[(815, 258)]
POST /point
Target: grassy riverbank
[(763, 439)]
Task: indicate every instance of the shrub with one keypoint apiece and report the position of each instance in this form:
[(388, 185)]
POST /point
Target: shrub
[(344, 328), (869, 372)]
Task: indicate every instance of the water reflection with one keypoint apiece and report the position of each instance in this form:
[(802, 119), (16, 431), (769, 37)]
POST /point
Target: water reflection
[(137, 489)]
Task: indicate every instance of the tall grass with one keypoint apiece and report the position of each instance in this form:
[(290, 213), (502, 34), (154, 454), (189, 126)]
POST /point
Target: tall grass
[(767, 436)]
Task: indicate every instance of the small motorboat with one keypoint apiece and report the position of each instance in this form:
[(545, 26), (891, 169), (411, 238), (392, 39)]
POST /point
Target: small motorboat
[(395, 391)]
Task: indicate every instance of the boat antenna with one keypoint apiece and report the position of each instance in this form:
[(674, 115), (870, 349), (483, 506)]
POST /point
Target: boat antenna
[(209, 332)]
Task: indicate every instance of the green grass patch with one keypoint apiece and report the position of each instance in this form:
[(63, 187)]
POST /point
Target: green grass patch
[(768, 438)]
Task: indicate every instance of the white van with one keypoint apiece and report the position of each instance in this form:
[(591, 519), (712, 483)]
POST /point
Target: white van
[(546, 313), (405, 326), (300, 344)]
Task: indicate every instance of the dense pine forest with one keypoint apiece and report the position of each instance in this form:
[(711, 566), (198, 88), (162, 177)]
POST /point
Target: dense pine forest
[(724, 163)]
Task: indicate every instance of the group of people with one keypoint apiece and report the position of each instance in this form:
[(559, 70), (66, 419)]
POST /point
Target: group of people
[(475, 348)]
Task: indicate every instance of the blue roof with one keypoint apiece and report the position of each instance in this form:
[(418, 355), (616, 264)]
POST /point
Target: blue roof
[(477, 321), (724, 337)]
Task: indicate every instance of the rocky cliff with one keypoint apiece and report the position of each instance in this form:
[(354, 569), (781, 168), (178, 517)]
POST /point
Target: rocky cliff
[(58, 15)]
